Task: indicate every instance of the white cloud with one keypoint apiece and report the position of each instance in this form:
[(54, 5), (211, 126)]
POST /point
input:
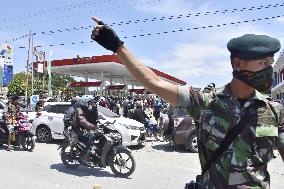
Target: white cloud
[(202, 58), (280, 20), (167, 7), (196, 60)]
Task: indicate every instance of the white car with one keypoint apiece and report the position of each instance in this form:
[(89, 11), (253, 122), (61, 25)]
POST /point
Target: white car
[(49, 124), (131, 131)]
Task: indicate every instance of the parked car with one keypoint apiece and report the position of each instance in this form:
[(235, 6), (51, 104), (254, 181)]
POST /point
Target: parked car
[(180, 129), (49, 124), (131, 131), (185, 133)]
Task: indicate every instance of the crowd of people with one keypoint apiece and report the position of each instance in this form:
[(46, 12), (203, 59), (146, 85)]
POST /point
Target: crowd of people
[(127, 106)]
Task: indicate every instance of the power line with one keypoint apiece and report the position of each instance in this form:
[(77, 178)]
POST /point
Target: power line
[(48, 11), (198, 14), (205, 27), (74, 28), (17, 38), (78, 28), (155, 19), (236, 23), (81, 27), (79, 14)]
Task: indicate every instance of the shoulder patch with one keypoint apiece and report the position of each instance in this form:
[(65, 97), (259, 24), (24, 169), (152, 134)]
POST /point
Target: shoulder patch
[(273, 103), (209, 88)]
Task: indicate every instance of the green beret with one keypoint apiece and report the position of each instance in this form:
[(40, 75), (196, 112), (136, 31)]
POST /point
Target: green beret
[(252, 47)]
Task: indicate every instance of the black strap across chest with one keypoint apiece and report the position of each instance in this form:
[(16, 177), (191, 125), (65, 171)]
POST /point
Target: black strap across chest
[(229, 138)]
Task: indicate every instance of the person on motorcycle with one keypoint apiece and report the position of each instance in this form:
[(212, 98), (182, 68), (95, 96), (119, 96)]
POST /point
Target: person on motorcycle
[(70, 112), (86, 116), (9, 116)]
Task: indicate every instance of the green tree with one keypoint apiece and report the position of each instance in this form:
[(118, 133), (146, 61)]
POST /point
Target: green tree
[(60, 81), (59, 84), (17, 85)]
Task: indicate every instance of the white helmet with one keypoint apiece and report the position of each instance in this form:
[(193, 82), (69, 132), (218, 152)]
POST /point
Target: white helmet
[(102, 99), (86, 101)]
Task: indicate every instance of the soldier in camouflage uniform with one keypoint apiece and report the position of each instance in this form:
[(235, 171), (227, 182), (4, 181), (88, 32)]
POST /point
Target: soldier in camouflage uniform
[(244, 164)]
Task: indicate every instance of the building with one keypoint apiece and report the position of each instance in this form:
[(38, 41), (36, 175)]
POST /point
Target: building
[(277, 90), (104, 69)]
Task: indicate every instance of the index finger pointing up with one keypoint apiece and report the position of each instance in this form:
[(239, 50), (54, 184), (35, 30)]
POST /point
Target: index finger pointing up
[(97, 20)]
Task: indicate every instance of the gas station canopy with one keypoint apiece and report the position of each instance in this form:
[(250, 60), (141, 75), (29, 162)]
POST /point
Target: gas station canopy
[(103, 68)]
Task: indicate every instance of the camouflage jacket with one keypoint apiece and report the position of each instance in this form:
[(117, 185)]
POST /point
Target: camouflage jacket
[(245, 161)]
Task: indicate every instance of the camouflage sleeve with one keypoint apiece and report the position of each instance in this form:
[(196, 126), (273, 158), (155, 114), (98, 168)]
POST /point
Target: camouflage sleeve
[(183, 96), (190, 99)]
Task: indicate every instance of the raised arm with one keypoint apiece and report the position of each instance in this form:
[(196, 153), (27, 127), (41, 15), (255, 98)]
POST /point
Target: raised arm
[(147, 77), (107, 38)]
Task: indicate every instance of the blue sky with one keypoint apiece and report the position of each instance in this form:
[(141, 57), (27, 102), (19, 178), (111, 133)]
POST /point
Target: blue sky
[(196, 56)]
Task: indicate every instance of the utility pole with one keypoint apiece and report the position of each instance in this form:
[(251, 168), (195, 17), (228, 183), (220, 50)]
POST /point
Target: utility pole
[(27, 70), (43, 78), (49, 74), (32, 64)]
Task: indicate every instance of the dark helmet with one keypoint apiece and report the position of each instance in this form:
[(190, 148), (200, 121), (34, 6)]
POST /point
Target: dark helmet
[(74, 100), (14, 97)]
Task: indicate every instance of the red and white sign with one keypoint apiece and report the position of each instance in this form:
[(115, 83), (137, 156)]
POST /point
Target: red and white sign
[(138, 91), (115, 87), (85, 84)]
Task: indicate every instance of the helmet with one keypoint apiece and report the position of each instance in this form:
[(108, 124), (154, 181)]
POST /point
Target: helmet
[(102, 99), (86, 101), (14, 97), (74, 100)]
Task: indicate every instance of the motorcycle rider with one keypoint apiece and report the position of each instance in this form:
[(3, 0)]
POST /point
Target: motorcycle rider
[(86, 116), (9, 116), (70, 112)]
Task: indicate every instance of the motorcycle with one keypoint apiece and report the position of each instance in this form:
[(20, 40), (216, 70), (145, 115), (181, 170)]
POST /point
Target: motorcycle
[(108, 152), (21, 136)]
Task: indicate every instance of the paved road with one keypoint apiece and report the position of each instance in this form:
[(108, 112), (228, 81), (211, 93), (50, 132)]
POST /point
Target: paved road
[(159, 166)]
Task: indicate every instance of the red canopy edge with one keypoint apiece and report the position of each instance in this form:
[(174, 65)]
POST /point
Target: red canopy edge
[(85, 84)]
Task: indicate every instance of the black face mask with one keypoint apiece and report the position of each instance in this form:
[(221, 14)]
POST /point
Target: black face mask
[(260, 80)]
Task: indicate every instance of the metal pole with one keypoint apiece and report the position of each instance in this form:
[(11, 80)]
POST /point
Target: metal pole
[(49, 75), (27, 70), (32, 64), (43, 78)]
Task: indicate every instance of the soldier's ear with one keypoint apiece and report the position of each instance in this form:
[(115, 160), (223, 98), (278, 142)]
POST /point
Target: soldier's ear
[(236, 63)]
